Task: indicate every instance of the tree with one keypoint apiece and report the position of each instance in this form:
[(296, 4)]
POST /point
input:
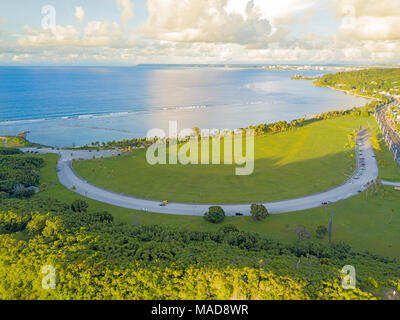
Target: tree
[(259, 212), (215, 215), (302, 233), (79, 206), (321, 232)]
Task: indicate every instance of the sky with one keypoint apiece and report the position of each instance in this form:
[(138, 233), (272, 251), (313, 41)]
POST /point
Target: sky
[(130, 32)]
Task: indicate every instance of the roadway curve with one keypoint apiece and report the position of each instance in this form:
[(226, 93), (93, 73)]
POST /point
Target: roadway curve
[(68, 177)]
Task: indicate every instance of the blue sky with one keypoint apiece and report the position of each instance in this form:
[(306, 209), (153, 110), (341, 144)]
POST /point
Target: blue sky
[(94, 10), (127, 32)]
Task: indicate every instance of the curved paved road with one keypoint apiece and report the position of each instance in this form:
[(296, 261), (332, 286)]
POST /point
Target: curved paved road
[(367, 172)]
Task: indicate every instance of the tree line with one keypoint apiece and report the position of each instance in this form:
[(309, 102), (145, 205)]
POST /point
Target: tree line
[(98, 258)]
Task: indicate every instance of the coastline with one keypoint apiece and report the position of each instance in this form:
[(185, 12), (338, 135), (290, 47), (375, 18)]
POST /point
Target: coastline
[(349, 92)]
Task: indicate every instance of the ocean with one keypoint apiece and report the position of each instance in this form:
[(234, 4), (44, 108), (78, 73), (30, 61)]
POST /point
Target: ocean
[(74, 106)]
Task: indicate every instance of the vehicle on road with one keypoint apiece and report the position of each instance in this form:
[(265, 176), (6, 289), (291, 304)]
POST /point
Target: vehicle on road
[(238, 214)]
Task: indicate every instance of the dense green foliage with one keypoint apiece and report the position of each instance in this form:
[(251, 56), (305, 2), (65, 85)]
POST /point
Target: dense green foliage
[(96, 258), (9, 151), (215, 215), (17, 174), (79, 206), (369, 82)]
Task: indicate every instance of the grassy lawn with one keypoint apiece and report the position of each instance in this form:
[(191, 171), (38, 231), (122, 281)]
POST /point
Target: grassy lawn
[(366, 222), (287, 165), (389, 169)]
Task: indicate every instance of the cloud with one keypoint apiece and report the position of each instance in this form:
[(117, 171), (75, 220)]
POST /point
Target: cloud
[(102, 33), (59, 35), (204, 21), (360, 8), (282, 11), (369, 19), (79, 14), (127, 10), (154, 51), (221, 31), (21, 57), (95, 34)]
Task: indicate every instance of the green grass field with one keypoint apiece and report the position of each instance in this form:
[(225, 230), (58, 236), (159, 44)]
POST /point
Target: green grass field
[(310, 159), (366, 222)]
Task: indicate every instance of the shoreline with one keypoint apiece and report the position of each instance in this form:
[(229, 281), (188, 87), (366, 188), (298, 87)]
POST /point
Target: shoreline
[(348, 92)]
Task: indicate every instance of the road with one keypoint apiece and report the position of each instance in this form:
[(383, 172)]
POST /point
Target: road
[(367, 172), (392, 138)]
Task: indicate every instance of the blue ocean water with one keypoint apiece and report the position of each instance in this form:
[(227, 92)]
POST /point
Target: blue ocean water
[(74, 106)]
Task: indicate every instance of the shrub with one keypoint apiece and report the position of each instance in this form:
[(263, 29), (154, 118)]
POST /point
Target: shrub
[(79, 206), (321, 232), (215, 215), (302, 233), (103, 217), (10, 151), (259, 212), (229, 228)]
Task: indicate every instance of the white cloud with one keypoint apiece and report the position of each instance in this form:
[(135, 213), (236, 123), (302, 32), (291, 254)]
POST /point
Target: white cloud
[(204, 21), (369, 19), (127, 10), (95, 34), (59, 35), (275, 11), (79, 14), (360, 8), (102, 33), (21, 57)]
